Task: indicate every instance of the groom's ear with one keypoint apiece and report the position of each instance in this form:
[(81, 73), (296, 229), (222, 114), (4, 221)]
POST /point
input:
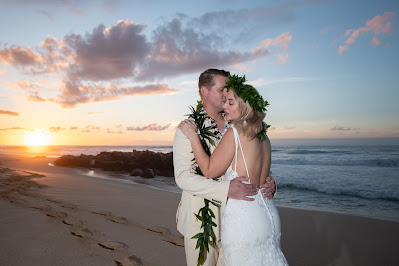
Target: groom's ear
[(204, 91)]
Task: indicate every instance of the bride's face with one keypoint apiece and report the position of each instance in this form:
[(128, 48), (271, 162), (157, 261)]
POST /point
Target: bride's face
[(231, 110)]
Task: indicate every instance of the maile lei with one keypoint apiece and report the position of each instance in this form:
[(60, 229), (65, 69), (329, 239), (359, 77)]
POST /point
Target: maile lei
[(205, 214)]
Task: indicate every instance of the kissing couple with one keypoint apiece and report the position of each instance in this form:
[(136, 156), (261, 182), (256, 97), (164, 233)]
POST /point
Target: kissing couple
[(222, 159)]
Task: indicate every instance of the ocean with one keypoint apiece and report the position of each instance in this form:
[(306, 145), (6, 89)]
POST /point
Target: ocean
[(359, 179)]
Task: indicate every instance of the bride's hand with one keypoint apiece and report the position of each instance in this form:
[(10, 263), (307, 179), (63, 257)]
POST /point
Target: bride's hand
[(188, 127)]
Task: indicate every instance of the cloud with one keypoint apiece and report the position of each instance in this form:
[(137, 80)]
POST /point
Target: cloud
[(150, 127), (56, 129), (179, 50), (90, 128), (119, 129), (14, 128), (94, 65), (94, 113), (74, 128), (122, 51), (20, 57), (6, 112), (377, 25), (74, 94), (341, 128), (108, 53)]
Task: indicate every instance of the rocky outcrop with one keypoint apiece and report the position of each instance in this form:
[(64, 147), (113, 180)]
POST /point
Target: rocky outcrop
[(147, 164)]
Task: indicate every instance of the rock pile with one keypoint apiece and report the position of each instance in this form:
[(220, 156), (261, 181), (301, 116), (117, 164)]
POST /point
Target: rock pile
[(146, 164)]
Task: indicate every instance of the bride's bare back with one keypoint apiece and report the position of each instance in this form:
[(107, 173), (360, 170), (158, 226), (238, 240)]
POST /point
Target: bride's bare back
[(258, 158)]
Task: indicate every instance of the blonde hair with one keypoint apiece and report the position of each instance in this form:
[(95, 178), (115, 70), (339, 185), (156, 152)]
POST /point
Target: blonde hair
[(249, 121)]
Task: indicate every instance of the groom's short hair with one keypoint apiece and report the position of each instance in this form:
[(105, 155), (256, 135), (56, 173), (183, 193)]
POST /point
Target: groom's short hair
[(206, 78)]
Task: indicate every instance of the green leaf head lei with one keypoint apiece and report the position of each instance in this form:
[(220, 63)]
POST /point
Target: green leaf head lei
[(249, 94)]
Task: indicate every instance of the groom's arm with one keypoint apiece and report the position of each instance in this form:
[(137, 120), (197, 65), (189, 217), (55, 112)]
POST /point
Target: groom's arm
[(216, 191)]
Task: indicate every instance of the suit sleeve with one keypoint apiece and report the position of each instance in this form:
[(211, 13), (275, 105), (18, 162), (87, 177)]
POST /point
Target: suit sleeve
[(188, 181)]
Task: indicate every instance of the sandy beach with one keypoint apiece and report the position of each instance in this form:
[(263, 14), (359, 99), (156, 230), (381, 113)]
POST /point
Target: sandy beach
[(66, 216)]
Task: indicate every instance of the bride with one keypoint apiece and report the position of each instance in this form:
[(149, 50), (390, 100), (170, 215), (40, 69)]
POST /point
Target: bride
[(250, 230)]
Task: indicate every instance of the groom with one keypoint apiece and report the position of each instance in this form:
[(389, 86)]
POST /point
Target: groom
[(195, 188)]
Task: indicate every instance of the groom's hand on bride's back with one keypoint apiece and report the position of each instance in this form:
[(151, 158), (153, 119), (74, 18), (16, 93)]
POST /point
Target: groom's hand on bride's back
[(241, 191), (269, 188)]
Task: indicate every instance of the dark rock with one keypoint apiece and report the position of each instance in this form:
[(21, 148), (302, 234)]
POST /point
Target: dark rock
[(110, 165), (70, 160), (148, 173), (157, 163), (137, 172)]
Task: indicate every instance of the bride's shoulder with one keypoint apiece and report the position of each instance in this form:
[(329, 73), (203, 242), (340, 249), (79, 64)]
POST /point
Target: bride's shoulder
[(229, 132)]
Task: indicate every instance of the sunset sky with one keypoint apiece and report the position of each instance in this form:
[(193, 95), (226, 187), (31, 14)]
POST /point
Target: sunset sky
[(125, 72)]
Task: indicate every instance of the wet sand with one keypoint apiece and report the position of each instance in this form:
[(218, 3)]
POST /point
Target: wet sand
[(65, 216)]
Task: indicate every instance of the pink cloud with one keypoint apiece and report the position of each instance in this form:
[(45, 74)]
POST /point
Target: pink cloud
[(378, 25)]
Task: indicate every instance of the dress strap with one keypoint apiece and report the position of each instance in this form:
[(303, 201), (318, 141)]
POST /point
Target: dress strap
[(237, 140)]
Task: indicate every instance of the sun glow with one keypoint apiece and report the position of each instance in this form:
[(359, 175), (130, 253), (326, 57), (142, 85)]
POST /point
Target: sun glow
[(38, 137)]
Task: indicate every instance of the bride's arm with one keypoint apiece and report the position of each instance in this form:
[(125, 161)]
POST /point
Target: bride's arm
[(217, 164)]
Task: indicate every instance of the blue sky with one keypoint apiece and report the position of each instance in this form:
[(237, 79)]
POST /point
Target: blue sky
[(125, 72)]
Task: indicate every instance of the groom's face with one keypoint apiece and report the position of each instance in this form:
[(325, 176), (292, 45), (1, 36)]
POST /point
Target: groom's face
[(216, 96)]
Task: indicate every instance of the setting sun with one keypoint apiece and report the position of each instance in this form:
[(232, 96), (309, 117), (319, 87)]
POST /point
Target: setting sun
[(38, 137)]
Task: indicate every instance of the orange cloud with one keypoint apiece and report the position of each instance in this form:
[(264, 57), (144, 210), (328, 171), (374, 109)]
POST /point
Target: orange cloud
[(14, 128), (280, 43), (74, 94), (56, 129), (378, 25), (6, 112), (19, 56)]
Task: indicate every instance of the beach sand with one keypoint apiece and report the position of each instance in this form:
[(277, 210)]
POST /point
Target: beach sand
[(66, 216)]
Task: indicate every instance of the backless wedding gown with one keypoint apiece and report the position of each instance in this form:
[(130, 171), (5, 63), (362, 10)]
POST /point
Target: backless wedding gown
[(250, 230)]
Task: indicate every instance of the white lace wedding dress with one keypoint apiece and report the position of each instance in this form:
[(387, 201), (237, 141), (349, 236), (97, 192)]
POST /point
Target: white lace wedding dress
[(250, 230)]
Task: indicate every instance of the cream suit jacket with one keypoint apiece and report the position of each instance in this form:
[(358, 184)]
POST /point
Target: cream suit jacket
[(194, 189)]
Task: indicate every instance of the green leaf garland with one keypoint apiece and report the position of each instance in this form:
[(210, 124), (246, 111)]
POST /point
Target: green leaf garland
[(205, 214)]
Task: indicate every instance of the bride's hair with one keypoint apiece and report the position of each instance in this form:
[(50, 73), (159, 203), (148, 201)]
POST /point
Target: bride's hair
[(249, 121)]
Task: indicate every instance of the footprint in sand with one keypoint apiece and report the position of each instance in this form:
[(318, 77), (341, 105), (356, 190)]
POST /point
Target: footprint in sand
[(109, 216), (129, 261), (169, 237), (103, 213), (113, 245), (72, 222), (82, 232), (63, 204), (55, 214), (119, 220)]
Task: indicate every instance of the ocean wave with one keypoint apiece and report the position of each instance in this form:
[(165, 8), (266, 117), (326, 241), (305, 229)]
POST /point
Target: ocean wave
[(346, 191), (329, 162)]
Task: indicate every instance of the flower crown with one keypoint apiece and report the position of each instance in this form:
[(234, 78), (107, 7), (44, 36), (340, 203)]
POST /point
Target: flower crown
[(247, 93)]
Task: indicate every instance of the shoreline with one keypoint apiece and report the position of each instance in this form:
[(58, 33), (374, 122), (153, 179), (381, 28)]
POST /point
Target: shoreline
[(69, 215), (117, 176)]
